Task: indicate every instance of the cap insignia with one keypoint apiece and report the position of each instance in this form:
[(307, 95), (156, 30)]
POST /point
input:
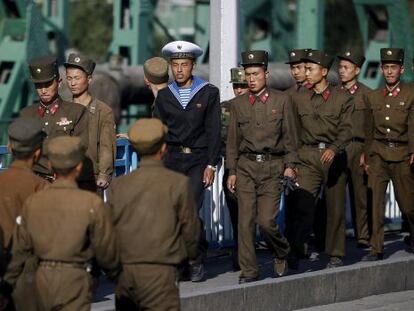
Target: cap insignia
[(389, 52), (38, 70), (292, 54), (310, 54), (77, 59), (348, 53), (179, 46), (250, 56)]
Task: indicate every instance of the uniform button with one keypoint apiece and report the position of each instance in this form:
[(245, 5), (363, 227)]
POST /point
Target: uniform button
[(387, 118), (389, 94), (388, 106), (388, 130), (46, 123)]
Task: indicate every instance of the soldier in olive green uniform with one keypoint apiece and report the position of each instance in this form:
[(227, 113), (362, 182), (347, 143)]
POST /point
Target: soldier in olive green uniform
[(260, 149), (58, 117), (240, 87), (389, 147), (102, 139), (350, 64), (325, 130), (17, 183), (64, 227), (156, 221), (297, 70)]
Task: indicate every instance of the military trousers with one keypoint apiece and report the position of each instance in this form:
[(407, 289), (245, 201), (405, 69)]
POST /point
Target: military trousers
[(25, 293), (258, 197), (192, 165), (147, 287), (312, 175), (360, 194), (402, 177), (60, 287), (231, 201)]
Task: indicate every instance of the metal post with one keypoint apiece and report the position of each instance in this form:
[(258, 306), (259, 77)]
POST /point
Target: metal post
[(310, 24), (224, 43)]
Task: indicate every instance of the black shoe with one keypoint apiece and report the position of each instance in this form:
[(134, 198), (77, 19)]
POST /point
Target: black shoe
[(293, 262), (371, 256), (235, 260), (334, 262), (244, 280), (363, 244), (197, 272), (280, 266)]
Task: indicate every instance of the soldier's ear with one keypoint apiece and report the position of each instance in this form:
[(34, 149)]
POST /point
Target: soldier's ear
[(402, 69), (89, 78), (324, 72), (357, 70)]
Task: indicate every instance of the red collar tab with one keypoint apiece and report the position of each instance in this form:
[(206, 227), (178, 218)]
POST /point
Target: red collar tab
[(262, 98), (392, 93), (51, 108), (352, 90), (325, 94)]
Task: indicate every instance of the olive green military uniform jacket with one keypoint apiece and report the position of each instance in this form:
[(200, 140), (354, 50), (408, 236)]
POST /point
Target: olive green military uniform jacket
[(359, 92), (65, 224), (102, 139), (296, 88), (17, 183), (225, 119), (155, 215), (272, 130), (69, 119), (325, 120), (390, 120)]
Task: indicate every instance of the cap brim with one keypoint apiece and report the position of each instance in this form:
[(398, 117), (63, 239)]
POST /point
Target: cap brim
[(35, 81)]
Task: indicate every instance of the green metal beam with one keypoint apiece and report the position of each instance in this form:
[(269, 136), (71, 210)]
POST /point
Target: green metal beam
[(310, 23)]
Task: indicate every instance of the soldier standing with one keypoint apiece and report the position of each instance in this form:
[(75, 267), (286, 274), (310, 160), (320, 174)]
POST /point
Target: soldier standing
[(389, 147), (102, 138), (156, 223), (297, 70), (57, 116), (240, 87), (190, 107), (18, 183), (350, 63), (260, 148), (325, 130), (64, 227)]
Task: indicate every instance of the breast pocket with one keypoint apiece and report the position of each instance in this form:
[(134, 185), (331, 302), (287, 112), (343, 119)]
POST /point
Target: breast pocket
[(244, 124), (275, 120)]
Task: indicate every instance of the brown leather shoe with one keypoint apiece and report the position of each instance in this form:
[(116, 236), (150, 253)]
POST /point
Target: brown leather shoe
[(280, 266)]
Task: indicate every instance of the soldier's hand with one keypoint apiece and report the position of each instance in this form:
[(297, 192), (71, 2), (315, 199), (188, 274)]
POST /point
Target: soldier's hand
[(362, 160), (231, 183), (327, 156), (412, 159), (290, 172), (208, 177), (102, 183)]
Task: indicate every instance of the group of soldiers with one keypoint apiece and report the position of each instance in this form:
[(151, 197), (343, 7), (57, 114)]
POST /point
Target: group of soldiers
[(308, 142)]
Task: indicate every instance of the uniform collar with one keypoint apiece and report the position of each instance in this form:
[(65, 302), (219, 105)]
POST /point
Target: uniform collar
[(262, 97), (394, 91), (51, 108), (326, 93), (64, 183), (150, 162), (20, 164), (352, 90)]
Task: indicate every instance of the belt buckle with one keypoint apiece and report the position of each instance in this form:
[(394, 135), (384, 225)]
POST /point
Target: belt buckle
[(185, 150), (392, 145), (260, 158), (321, 146)]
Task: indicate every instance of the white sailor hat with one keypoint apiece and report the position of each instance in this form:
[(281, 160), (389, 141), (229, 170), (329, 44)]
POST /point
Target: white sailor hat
[(181, 49)]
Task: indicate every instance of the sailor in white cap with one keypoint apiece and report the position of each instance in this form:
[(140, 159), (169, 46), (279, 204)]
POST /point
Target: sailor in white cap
[(190, 107)]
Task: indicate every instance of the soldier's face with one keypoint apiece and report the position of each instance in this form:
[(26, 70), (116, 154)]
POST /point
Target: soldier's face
[(298, 72), (77, 80), (314, 73), (347, 71), (182, 71), (392, 72), (240, 89), (256, 78), (48, 91)]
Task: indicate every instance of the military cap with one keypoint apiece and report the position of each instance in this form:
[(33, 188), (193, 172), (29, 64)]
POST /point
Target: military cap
[(147, 135), (81, 62), (43, 69), (156, 70), (65, 152), (295, 56), (354, 57), (258, 57), (318, 57), (392, 55), (181, 49), (26, 134), (237, 75)]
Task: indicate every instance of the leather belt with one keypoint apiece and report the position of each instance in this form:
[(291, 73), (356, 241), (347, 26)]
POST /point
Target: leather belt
[(319, 146), (64, 264), (183, 149), (393, 144), (262, 157), (358, 140)]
